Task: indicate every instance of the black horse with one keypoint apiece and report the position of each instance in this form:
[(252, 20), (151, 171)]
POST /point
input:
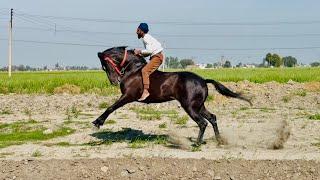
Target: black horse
[(122, 66)]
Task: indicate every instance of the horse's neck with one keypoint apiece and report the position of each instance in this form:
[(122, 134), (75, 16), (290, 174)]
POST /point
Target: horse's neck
[(134, 65)]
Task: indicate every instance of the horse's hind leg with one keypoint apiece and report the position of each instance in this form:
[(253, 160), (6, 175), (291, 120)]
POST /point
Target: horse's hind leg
[(193, 112), (212, 119)]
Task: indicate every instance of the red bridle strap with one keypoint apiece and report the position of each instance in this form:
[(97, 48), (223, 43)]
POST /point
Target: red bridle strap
[(124, 58), (110, 60), (115, 67)]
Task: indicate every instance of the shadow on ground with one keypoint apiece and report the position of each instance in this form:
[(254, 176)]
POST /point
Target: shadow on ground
[(126, 135)]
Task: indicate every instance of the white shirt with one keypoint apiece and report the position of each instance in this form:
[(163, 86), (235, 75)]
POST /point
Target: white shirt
[(151, 45)]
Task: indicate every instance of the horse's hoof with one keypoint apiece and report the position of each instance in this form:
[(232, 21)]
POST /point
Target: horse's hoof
[(96, 124), (222, 141), (198, 144)]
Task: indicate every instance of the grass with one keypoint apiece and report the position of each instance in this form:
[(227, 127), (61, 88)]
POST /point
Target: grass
[(317, 143), (72, 112), (3, 155), (103, 105), (22, 132), (286, 99), (110, 121), (36, 153), (182, 120), (98, 143), (244, 108), (149, 113), (48, 82), (163, 125), (141, 141), (28, 112), (210, 98), (95, 81), (149, 117), (195, 148), (6, 111), (64, 144), (301, 93), (75, 111), (315, 116), (138, 143), (266, 109), (260, 75)]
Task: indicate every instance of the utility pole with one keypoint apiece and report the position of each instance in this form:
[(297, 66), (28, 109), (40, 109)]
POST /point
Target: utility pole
[(164, 58), (10, 44), (55, 29)]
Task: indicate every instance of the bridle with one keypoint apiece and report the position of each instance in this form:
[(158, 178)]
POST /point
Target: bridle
[(119, 69)]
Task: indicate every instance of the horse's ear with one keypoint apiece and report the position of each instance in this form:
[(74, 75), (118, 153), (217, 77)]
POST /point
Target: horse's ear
[(100, 55)]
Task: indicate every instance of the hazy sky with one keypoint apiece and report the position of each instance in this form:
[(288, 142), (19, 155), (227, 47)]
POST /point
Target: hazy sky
[(240, 30)]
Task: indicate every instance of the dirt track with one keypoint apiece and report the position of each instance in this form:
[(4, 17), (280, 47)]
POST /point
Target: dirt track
[(273, 138), (159, 168)]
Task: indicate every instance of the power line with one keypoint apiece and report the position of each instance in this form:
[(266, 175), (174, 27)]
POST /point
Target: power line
[(54, 43), (46, 21), (169, 48), (34, 22), (178, 35), (190, 23)]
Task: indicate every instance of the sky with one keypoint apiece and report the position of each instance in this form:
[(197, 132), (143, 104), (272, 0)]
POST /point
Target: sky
[(72, 32)]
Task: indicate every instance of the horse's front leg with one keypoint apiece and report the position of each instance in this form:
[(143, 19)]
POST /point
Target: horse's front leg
[(124, 99)]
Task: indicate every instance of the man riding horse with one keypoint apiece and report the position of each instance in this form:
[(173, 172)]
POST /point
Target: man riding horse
[(154, 49), (129, 68)]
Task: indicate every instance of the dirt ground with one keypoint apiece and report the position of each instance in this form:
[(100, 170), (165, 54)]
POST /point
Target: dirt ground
[(273, 139), (159, 168)]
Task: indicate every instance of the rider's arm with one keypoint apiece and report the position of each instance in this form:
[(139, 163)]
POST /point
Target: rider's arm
[(151, 45), (146, 52)]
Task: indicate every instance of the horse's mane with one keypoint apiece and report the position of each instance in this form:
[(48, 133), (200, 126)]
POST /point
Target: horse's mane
[(118, 51)]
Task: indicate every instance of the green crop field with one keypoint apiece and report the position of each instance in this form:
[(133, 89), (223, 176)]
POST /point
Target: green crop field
[(261, 75), (96, 82)]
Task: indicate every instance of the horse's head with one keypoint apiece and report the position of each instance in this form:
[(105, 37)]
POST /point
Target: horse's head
[(110, 61)]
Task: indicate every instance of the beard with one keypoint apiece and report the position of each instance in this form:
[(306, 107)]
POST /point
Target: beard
[(139, 36)]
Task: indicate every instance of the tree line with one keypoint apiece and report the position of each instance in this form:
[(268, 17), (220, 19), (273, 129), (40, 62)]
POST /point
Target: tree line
[(175, 63), (276, 61), (270, 60), (45, 68)]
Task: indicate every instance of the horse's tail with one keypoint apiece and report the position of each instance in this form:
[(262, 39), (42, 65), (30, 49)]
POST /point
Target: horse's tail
[(227, 92)]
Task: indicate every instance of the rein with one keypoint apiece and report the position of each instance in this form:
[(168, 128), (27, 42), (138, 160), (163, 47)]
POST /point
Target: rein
[(115, 66)]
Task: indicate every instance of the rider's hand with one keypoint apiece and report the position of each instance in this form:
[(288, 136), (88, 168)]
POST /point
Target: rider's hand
[(137, 52)]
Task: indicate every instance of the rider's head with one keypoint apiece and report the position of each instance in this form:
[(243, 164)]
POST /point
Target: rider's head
[(142, 30)]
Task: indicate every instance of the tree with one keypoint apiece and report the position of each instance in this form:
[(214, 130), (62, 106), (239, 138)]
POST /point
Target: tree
[(268, 59), (239, 65), (227, 64), (21, 68), (172, 62), (273, 60), (315, 64), (186, 62), (289, 61), (209, 66), (215, 65), (277, 59)]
